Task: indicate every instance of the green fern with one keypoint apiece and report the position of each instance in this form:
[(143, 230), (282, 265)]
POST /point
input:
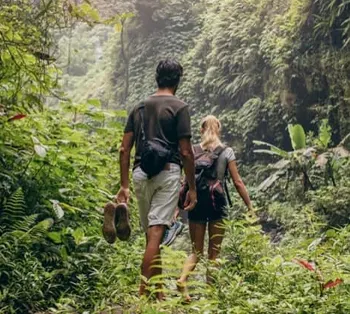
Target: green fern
[(26, 223), (14, 211), (27, 233), (50, 255)]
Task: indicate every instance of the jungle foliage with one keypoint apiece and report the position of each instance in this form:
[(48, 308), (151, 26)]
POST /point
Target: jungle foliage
[(58, 167), (259, 64), (275, 72)]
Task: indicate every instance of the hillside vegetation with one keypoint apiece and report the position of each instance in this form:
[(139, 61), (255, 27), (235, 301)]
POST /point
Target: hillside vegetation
[(258, 64)]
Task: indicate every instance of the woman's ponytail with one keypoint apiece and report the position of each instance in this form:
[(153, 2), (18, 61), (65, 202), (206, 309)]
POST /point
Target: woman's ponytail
[(211, 128)]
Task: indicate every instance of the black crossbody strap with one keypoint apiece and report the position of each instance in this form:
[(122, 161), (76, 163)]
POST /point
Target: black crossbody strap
[(142, 116)]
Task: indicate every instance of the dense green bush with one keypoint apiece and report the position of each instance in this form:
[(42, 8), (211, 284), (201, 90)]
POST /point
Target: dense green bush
[(51, 231), (333, 202)]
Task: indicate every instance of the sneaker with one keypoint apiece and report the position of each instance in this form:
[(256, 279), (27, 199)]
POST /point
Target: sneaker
[(172, 232), (109, 231), (123, 222)]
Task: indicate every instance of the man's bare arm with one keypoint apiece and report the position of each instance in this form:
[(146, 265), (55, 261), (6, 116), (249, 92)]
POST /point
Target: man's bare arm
[(124, 162), (187, 157)]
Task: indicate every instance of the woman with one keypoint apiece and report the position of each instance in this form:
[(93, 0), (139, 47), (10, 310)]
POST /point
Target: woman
[(200, 218)]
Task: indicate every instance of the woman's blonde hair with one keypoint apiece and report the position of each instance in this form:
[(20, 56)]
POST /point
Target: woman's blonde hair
[(211, 128)]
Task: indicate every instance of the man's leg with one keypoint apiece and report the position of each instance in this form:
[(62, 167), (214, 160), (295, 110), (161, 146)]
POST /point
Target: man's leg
[(143, 191), (151, 264), (160, 216)]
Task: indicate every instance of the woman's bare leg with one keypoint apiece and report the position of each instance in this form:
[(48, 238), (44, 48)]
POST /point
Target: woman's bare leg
[(216, 235), (197, 233)]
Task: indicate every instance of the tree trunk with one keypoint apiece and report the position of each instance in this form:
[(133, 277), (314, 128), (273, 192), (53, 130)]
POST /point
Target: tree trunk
[(125, 58)]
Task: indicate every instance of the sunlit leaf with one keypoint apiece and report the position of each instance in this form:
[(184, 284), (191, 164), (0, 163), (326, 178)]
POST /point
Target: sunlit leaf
[(325, 134), (55, 237), (297, 136), (40, 150), (35, 140), (120, 113), (57, 209), (78, 235), (45, 224), (94, 102)]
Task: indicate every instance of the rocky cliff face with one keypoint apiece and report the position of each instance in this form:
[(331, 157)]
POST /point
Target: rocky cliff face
[(259, 65)]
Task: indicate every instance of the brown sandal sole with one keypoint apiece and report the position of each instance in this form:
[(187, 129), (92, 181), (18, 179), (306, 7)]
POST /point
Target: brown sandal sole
[(109, 231), (123, 226)]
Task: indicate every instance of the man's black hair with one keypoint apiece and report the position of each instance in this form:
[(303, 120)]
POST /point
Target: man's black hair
[(168, 73)]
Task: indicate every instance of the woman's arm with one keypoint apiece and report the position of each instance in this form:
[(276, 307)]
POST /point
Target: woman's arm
[(237, 181)]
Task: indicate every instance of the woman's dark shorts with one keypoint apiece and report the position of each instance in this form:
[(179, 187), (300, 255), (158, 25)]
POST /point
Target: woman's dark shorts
[(203, 213)]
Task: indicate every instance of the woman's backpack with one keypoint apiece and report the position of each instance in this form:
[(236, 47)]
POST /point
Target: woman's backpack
[(210, 190)]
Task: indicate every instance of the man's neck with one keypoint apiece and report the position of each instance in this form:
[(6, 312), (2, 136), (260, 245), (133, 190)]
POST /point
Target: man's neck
[(165, 92)]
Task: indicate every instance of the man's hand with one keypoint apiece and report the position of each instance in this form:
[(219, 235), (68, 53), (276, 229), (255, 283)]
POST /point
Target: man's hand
[(122, 196), (124, 161), (191, 200)]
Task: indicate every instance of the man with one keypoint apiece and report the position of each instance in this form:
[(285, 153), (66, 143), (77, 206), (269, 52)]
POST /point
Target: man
[(165, 118)]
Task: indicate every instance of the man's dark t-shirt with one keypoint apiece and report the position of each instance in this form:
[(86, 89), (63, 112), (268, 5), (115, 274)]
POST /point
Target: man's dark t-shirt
[(166, 118)]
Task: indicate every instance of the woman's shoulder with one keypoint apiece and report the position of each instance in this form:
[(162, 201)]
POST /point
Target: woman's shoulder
[(229, 154), (228, 149), (225, 148)]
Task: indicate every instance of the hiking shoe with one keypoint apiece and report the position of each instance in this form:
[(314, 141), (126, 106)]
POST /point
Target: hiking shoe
[(123, 222), (172, 232), (109, 231)]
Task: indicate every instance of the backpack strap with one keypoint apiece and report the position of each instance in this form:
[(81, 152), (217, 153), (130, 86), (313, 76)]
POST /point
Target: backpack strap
[(219, 150), (197, 149), (142, 117), (227, 191)]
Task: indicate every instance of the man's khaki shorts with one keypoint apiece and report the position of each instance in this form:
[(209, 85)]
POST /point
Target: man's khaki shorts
[(157, 197)]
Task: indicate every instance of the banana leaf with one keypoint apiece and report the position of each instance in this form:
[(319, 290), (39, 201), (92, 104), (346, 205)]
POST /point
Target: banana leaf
[(297, 136), (274, 150)]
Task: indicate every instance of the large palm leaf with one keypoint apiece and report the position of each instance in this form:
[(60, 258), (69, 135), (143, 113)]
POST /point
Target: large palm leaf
[(297, 136), (274, 150)]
